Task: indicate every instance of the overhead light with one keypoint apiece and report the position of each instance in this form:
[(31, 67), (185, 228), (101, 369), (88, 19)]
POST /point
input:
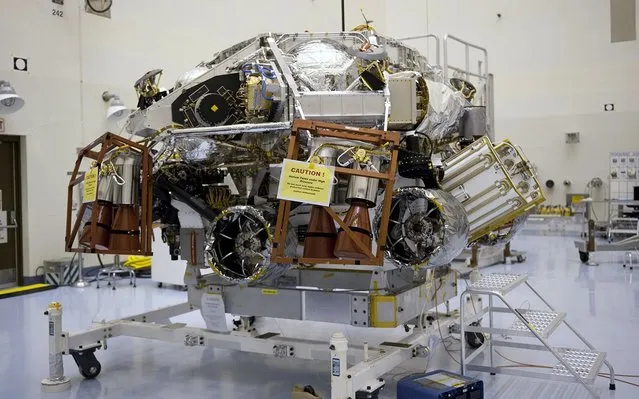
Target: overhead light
[(117, 110), (10, 102)]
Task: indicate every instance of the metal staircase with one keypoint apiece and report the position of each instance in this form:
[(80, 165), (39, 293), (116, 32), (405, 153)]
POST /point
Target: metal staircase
[(574, 365)]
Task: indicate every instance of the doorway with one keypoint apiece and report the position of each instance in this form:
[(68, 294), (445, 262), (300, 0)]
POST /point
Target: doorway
[(11, 272)]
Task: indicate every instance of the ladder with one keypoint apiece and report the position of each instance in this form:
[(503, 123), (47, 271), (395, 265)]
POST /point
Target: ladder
[(574, 365)]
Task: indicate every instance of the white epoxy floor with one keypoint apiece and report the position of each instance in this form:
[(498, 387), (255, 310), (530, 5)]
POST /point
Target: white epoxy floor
[(602, 302)]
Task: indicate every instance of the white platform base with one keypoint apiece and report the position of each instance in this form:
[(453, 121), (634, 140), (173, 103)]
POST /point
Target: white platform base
[(56, 385)]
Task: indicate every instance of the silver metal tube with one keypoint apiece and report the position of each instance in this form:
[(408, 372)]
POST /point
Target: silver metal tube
[(490, 106), (364, 188), (233, 129), (462, 332), (286, 71), (468, 46), (429, 36), (467, 62), (490, 324), (445, 64), (460, 70)]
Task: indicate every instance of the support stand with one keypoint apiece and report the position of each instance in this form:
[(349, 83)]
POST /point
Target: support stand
[(56, 381), (361, 380)]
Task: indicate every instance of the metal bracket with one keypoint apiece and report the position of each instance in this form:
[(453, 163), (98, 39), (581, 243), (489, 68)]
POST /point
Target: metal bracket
[(193, 340), (283, 351)]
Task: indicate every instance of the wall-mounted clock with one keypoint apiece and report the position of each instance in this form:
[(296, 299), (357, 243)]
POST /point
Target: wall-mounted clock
[(99, 7)]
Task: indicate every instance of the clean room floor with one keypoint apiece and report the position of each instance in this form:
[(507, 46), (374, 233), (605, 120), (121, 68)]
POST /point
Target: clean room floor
[(602, 302)]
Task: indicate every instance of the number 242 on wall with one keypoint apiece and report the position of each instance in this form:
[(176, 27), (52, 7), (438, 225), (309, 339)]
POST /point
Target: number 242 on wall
[(57, 13)]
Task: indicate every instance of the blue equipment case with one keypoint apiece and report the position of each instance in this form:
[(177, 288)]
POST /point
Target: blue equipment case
[(439, 384)]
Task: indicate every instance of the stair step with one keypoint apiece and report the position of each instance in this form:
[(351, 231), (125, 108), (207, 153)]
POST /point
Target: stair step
[(497, 282), (542, 321), (586, 363)]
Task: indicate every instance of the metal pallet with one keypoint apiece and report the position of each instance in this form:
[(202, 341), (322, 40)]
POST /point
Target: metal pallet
[(574, 365)]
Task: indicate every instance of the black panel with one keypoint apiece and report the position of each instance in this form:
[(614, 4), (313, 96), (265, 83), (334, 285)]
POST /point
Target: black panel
[(213, 102)]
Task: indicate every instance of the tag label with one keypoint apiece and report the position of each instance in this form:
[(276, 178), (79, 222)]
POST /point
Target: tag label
[(90, 185), (4, 232), (51, 328), (306, 182), (213, 312), (335, 371), (268, 291)]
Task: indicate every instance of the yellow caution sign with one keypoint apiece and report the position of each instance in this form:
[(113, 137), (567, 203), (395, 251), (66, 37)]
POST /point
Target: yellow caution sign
[(306, 182), (269, 291), (90, 185)]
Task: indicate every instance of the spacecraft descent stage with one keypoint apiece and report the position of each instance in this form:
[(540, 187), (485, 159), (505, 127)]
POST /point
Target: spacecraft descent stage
[(325, 177)]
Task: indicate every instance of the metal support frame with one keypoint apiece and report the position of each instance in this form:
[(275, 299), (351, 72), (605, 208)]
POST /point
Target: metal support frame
[(569, 374), (428, 36), (346, 381), (487, 78)]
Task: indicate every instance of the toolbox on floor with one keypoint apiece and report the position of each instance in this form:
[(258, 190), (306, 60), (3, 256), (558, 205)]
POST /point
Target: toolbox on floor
[(439, 384)]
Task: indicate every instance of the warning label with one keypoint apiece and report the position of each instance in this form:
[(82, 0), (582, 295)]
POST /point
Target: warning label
[(90, 185), (306, 182)]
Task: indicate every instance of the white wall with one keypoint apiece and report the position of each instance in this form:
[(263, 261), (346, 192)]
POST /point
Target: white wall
[(73, 59), (554, 69)]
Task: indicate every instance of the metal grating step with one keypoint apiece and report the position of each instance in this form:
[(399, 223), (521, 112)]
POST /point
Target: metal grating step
[(501, 283), (543, 321), (586, 363)]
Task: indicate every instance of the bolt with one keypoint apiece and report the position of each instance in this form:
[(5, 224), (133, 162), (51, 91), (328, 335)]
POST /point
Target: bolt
[(348, 376)]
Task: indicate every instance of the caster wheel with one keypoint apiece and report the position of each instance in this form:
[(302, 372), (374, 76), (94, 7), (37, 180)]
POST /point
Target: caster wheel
[(584, 256), (134, 285), (113, 288), (109, 283), (91, 370), (624, 265), (475, 339), (160, 285), (88, 365), (612, 387), (630, 267), (130, 282)]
